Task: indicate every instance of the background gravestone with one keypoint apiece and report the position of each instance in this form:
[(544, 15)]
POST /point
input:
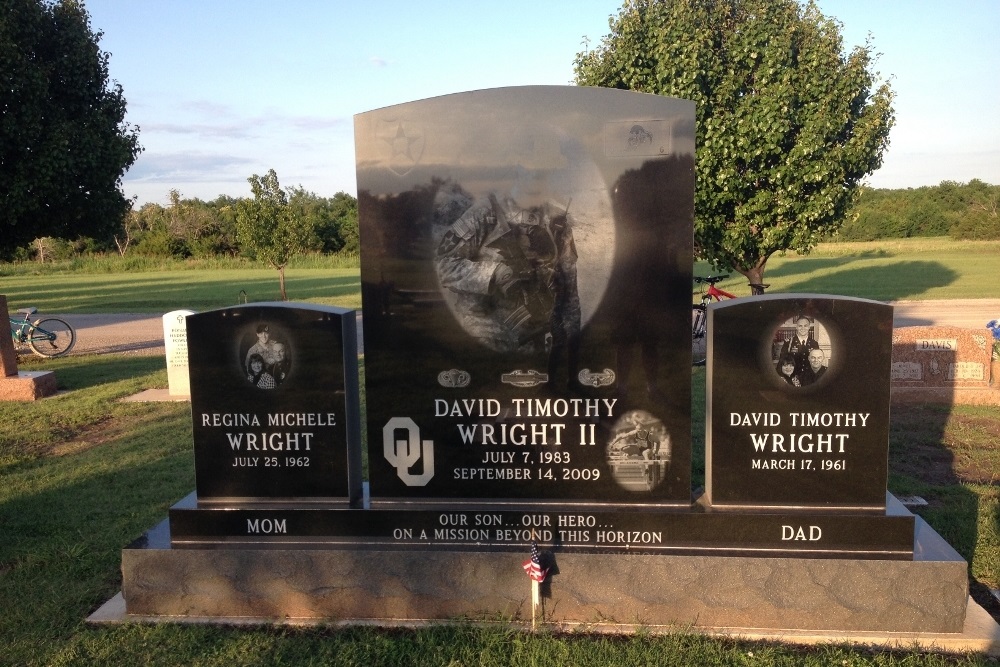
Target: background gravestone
[(274, 403), (175, 342), (784, 432), (8, 355), (526, 273), (941, 357)]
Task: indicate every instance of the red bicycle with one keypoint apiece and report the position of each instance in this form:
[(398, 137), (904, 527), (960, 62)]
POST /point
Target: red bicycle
[(699, 316)]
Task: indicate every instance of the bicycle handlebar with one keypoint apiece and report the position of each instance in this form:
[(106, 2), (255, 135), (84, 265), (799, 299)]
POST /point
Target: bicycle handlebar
[(711, 280)]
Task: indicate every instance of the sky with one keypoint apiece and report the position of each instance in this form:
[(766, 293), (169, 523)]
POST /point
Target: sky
[(223, 89)]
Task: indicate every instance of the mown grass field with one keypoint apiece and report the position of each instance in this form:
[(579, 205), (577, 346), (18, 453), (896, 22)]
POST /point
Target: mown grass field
[(83, 474), (890, 270), (883, 270), (114, 286)]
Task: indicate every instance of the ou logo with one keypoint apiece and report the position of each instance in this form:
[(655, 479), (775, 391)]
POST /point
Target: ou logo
[(403, 454)]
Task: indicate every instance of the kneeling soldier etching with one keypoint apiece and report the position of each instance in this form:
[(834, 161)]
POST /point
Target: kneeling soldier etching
[(513, 271)]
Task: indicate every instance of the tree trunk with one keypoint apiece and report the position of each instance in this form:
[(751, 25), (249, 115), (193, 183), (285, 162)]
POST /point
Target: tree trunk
[(122, 247), (755, 276), (281, 281)]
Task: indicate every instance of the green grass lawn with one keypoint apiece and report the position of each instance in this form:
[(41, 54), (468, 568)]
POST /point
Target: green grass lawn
[(163, 291), (892, 270)]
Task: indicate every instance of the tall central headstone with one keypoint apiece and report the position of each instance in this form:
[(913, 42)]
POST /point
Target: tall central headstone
[(526, 277)]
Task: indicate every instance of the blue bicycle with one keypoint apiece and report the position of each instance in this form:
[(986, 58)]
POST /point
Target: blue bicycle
[(47, 337)]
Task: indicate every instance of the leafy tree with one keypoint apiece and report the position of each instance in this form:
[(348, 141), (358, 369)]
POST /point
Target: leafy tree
[(64, 144), (787, 125), (345, 211), (268, 229), (334, 220), (218, 235), (980, 217)]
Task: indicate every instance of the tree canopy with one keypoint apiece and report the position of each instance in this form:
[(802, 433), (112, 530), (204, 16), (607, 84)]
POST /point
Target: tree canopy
[(788, 125), (64, 143)]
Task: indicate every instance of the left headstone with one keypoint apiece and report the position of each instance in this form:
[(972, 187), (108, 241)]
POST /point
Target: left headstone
[(274, 402), (175, 342)]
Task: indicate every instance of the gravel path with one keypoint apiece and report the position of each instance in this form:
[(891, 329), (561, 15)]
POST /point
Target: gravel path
[(118, 333), (125, 333)]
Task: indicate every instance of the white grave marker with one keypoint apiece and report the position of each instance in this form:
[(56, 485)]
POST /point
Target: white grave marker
[(175, 340)]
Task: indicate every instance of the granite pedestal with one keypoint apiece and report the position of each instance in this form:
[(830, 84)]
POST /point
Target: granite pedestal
[(926, 594)]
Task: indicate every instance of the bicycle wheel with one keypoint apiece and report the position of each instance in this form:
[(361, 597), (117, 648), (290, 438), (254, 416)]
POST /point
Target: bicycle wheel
[(51, 337), (699, 337)]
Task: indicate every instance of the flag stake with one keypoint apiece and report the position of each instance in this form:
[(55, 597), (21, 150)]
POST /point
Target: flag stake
[(533, 567), (536, 600)]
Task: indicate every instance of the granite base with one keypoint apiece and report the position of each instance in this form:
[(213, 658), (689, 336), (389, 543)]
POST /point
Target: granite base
[(28, 386), (926, 594)]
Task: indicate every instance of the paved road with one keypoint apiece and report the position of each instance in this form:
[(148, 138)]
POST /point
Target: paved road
[(143, 333), (966, 313)]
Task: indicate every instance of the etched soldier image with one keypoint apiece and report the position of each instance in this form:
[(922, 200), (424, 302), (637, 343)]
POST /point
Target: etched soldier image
[(266, 363), (801, 350), (639, 451), (511, 269)]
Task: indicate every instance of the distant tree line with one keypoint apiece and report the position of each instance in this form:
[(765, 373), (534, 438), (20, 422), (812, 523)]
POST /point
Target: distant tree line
[(203, 229), (960, 210), (193, 228)]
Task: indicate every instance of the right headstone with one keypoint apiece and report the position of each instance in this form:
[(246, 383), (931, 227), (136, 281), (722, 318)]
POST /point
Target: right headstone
[(798, 403)]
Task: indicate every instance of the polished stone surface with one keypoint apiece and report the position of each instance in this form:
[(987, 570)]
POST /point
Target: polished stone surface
[(794, 533), (798, 402), (275, 403), (926, 357), (526, 278)]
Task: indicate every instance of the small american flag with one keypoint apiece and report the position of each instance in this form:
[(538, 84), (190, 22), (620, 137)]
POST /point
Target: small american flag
[(533, 566)]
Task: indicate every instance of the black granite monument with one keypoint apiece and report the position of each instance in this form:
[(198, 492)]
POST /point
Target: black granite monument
[(526, 271), (798, 403), (275, 413), (798, 421), (526, 283)]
